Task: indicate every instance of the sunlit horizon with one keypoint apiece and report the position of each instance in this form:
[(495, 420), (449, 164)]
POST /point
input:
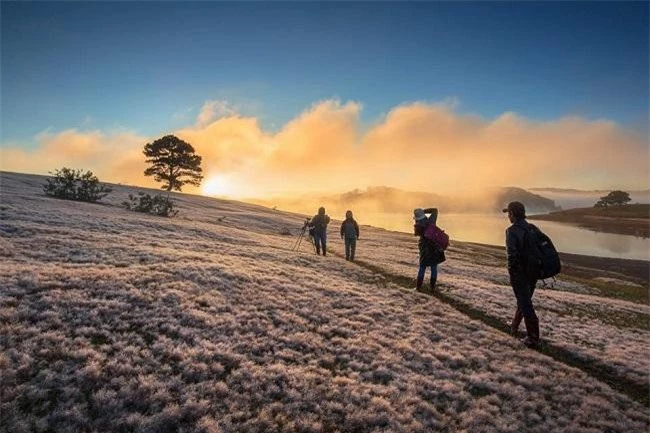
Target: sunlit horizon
[(387, 103)]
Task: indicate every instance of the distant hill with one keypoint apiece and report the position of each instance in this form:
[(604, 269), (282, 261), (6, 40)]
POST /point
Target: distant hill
[(582, 191), (569, 190), (574, 198), (393, 200), (535, 204)]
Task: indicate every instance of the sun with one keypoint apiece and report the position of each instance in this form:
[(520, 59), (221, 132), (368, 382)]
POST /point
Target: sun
[(216, 186)]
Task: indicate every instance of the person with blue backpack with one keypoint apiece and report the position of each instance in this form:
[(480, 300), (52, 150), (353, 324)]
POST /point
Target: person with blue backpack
[(531, 256), (431, 253)]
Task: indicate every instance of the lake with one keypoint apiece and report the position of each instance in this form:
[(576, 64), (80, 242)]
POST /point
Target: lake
[(490, 229)]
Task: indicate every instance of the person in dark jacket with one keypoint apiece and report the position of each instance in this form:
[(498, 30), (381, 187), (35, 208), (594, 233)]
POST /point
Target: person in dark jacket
[(430, 254), (522, 284), (319, 225), (349, 232)]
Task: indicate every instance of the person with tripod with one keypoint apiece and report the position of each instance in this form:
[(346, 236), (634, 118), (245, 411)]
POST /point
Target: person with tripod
[(319, 224)]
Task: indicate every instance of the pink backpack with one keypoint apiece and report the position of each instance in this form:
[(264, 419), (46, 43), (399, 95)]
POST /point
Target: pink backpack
[(437, 235)]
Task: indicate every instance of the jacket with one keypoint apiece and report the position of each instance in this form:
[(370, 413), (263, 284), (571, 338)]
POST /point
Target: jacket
[(350, 229), (319, 222), (430, 253), (516, 249)]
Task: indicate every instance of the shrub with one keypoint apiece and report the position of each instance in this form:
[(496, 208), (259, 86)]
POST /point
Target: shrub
[(157, 205), (76, 185)]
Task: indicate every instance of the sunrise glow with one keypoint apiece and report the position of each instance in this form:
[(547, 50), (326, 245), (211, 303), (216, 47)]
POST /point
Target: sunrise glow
[(287, 216), (216, 186)]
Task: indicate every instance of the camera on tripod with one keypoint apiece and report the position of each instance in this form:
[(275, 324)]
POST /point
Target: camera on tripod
[(301, 235)]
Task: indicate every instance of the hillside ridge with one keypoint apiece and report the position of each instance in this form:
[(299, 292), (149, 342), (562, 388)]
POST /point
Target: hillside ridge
[(210, 322)]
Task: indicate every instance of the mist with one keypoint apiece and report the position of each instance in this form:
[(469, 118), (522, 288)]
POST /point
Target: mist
[(328, 149), (375, 204)]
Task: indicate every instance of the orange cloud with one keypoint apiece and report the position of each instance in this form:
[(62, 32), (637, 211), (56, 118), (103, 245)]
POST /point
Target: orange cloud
[(430, 143), (112, 157), (317, 150), (417, 146)]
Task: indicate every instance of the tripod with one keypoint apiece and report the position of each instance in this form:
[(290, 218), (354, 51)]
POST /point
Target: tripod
[(301, 236)]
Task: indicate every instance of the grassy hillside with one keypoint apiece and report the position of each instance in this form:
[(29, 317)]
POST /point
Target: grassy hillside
[(633, 219), (209, 322)]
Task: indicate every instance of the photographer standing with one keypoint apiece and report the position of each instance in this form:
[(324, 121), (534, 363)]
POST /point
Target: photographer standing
[(319, 224), (431, 255)]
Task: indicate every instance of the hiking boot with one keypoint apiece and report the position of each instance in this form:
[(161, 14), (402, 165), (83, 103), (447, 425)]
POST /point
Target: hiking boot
[(432, 285), (418, 285), (532, 331), (530, 342)]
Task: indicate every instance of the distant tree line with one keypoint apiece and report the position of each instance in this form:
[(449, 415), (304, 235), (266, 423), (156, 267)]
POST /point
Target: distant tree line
[(614, 198), (173, 162)]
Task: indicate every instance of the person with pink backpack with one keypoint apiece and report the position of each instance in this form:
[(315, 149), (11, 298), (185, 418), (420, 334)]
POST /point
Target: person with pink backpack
[(431, 245)]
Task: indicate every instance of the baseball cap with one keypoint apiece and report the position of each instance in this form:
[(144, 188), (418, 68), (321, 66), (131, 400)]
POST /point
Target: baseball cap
[(516, 208), (418, 214)]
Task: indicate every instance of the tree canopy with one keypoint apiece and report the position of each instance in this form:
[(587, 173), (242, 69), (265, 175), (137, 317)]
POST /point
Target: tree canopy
[(173, 162), (614, 198)]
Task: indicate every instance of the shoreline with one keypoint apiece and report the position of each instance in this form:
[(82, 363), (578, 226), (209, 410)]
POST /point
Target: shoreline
[(632, 221)]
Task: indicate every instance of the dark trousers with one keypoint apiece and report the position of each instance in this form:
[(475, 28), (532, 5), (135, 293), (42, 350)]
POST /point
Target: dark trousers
[(434, 272), (523, 289), (320, 240), (350, 247)]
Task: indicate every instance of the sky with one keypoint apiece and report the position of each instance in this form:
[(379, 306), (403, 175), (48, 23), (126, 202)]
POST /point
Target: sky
[(282, 98)]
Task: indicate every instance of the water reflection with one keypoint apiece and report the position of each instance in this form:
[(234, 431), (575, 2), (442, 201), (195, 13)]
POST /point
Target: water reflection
[(490, 229), (616, 244)]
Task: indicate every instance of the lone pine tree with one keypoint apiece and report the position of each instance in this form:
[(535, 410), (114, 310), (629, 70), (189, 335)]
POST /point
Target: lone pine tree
[(173, 162)]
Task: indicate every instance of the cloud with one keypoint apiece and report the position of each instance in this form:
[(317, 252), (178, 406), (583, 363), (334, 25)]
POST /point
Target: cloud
[(430, 147), (226, 144), (317, 149), (452, 150), (113, 157), (304, 153), (416, 146), (212, 110)]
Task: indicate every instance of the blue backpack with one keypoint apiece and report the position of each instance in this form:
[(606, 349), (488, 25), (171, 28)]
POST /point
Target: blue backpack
[(543, 261)]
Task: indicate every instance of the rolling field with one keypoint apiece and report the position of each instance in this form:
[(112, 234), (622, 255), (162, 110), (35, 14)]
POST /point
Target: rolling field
[(115, 321)]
